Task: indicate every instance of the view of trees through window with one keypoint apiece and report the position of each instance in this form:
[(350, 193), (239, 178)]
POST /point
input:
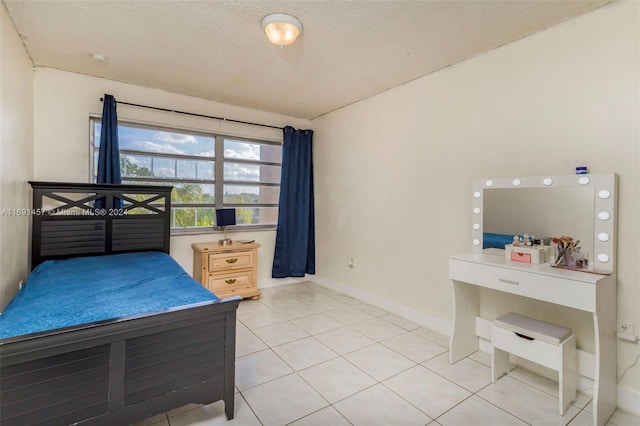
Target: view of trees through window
[(206, 171)]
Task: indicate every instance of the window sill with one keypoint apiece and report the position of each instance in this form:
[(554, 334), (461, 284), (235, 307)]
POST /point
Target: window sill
[(230, 230)]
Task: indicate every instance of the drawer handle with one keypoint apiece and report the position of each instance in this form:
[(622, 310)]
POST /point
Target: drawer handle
[(231, 281), (234, 260), (504, 280), (523, 336)]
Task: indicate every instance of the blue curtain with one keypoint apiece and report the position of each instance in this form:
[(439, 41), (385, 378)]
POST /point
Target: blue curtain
[(295, 250), (109, 154)]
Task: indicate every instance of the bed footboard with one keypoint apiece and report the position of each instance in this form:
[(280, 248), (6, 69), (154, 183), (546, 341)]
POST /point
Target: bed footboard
[(120, 371)]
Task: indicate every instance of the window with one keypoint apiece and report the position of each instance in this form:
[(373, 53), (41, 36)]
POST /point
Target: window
[(207, 172)]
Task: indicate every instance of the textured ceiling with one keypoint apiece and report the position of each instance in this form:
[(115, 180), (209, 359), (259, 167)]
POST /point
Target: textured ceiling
[(216, 50)]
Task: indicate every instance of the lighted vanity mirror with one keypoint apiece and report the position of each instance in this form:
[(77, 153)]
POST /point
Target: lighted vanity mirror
[(547, 206)]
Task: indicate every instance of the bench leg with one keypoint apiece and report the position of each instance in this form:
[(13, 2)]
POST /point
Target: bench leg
[(567, 375), (499, 364)]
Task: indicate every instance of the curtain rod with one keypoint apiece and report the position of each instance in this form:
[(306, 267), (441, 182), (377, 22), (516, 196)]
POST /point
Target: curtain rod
[(197, 115)]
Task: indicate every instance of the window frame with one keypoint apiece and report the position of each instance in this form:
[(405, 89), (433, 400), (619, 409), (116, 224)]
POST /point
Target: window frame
[(218, 159)]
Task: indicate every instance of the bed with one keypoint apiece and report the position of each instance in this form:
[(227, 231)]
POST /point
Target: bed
[(110, 364)]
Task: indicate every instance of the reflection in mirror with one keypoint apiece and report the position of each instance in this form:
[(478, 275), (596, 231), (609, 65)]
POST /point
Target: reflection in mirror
[(541, 212)]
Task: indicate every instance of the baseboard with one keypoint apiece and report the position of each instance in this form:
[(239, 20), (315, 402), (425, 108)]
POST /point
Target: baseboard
[(629, 400), (412, 314)]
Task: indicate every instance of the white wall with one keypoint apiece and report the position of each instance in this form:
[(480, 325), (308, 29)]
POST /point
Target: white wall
[(394, 172), (16, 152), (64, 102)]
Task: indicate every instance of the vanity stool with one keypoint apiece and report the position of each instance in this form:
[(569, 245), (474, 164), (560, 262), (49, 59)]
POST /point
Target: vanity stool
[(544, 343)]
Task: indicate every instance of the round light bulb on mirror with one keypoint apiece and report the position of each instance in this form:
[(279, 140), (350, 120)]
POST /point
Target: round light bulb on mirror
[(604, 194), (604, 258), (489, 183), (476, 226), (516, 182), (604, 215), (583, 180), (476, 210), (476, 242), (547, 181), (476, 194), (603, 236)]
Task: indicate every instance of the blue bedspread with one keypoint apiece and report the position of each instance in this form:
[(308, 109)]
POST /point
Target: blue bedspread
[(62, 293), (490, 240)]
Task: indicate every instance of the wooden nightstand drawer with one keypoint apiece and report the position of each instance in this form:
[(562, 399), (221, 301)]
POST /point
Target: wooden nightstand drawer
[(235, 260), (229, 282), (229, 270)]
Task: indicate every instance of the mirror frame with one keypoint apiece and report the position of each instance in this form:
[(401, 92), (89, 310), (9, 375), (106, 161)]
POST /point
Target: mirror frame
[(604, 258)]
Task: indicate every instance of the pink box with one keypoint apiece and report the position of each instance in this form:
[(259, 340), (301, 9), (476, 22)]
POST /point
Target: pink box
[(521, 257)]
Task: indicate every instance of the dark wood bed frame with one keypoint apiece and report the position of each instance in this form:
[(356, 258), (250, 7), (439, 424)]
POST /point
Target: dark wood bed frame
[(118, 371)]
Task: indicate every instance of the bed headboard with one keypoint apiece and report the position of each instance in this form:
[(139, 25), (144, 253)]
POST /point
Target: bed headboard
[(66, 222)]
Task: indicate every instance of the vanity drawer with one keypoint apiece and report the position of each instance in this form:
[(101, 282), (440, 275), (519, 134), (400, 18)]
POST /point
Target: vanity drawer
[(235, 260), (225, 283), (555, 289)]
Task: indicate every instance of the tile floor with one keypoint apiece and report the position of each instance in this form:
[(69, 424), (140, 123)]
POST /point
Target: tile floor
[(307, 355)]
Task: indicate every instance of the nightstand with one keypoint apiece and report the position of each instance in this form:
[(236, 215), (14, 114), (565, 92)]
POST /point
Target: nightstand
[(229, 270)]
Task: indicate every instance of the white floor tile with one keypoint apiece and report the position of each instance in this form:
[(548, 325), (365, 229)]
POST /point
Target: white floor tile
[(283, 400), (537, 381), (481, 357), (328, 416), (259, 367), (259, 316), (440, 339), (336, 379), (296, 309), (467, 373), (213, 414), (377, 405), (304, 353), (378, 329), (344, 340), (345, 299), (400, 322), (426, 390), (318, 323), (622, 418), (582, 419), (379, 362), (247, 343), (370, 309), (526, 402), (280, 333), (349, 315), (476, 411), (414, 347)]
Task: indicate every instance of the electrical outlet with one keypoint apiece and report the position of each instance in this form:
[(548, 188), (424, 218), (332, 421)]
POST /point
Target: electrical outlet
[(626, 331)]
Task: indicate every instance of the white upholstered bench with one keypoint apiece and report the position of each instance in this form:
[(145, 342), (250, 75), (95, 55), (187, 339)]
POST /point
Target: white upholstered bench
[(541, 342)]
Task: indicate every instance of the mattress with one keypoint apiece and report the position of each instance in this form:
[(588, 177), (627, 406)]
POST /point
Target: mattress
[(70, 292)]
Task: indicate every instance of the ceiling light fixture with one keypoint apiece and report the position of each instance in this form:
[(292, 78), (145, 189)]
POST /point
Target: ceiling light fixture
[(281, 29)]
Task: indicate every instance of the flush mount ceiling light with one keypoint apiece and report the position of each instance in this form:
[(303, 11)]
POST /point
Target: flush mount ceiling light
[(281, 29)]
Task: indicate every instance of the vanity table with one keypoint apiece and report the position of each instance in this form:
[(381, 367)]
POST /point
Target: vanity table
[(586, 291)]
